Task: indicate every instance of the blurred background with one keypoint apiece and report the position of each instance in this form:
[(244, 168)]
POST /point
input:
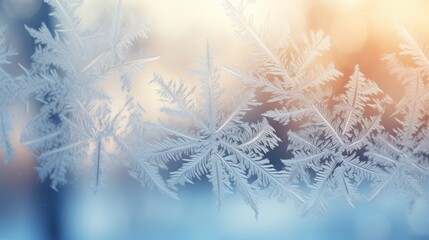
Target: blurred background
[(361, 31)]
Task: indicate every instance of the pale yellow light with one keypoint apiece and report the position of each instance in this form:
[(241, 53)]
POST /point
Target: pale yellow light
[(349, 34)]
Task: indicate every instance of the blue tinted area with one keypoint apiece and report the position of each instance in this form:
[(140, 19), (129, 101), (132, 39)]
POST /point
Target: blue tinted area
[(35, 211), (146, 215), (18, 35), (128, 212)]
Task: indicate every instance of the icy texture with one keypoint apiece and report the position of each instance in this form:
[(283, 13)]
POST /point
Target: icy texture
[(211, 139), (340, 147), (9, 87), (285, 68), (69, 67), (404, 152), (345, 145), (326, 148)]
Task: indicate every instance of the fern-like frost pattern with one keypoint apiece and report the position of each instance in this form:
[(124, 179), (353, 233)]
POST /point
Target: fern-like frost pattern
[(75, 122), (213, 140), (8, 93), (346, 145)]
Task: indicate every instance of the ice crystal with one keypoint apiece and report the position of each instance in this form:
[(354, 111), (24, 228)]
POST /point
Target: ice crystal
[(69, 65), (9, 91), (213, 140), (403, 151)]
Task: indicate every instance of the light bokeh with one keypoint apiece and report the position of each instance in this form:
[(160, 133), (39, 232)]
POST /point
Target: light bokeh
[(361, 31)]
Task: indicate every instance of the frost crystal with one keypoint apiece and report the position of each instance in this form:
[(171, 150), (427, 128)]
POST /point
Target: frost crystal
[(285, 68), (339, 144), (326, 148), (9, 91), (69, 65), (404, 151), (344, 146), (212, 139)]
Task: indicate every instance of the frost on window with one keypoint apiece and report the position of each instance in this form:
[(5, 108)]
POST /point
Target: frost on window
[(9, 92), (208, 134), (70, 64), (285, 68), (326, 148), (403, 151), (345, 145), (339, 144)]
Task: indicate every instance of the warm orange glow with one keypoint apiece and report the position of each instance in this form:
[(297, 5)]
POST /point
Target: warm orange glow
[(349, 34), (361, 32)]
